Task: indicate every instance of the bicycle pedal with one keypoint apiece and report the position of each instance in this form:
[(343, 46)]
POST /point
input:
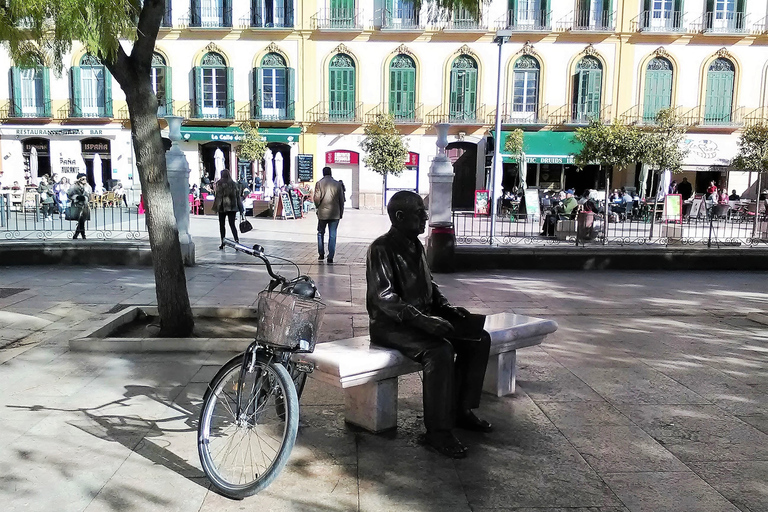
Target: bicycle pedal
[(304, 366)]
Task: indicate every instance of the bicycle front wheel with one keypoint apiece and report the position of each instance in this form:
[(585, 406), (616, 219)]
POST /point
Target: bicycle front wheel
[(243, 447)]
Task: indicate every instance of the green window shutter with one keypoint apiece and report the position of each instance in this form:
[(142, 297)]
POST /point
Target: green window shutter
[(107, 93), (167, 18), (197, 110), (719, 97), (393, 91), (230, 93), (257, 79), (16, 92), (454, 93), (512, 14), (288, 13), (256, 20), (46, 72), (226, 16), (410, 96), (168, 84), (470, 94), (76, 109), (741, 6), (594, 85), (710, 5), (545, 13), (646, 5), (194, 13), (290, 93)]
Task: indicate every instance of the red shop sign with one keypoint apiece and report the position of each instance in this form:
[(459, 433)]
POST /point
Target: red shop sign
[(341, 157), (413, 160)]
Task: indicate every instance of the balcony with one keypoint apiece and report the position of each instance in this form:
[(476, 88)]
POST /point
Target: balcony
[(256, 112), (402, 113), (401, 20), (348, 112), (197, 19), (761, 27), (525, 21), (734, 23), (637, 115), (276, 21), (590, 21), (698, 116), (21, 111), (458, 114), (464, 22), (666, 22), (757, 116), (225, 111), (340, 18), (512, 114), (577, 115)]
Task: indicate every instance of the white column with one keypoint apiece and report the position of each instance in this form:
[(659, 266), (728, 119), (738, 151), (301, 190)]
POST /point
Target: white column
[(440, 181)]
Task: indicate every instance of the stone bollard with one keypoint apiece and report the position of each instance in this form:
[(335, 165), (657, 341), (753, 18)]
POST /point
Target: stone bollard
[(178, 179)]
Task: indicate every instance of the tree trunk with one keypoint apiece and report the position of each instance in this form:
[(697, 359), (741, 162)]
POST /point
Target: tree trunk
[(170, 280)]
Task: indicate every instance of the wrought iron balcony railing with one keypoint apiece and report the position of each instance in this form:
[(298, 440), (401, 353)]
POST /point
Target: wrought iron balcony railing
[(640, 115), (336, 112), (458, 114), (197, 19), (669, 22), (756, 116), (465, 22), (592, 21), (525, 21), (579, 115), (402, 113), (404, 19), (277, 20), (721, 23), (21, 111), (514, 114), (281, 112), (337, 18), (760, 27), (698, 116), (223, 111)]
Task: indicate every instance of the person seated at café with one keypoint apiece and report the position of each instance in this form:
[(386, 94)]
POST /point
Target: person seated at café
[(734, 196), (99, 189), (16, 186), (722, 197)]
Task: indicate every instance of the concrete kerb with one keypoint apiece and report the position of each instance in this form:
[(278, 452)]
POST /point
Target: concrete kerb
[(98, 338)]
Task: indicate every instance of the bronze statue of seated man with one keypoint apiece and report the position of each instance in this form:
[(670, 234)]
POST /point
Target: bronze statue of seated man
[(408, 313)]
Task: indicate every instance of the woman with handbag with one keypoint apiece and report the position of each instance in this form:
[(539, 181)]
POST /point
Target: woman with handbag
[(79, 194), (45, 189), (227, 203)]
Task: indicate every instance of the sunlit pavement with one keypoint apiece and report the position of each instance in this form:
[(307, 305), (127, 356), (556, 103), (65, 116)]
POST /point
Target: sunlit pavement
[(651, 396)]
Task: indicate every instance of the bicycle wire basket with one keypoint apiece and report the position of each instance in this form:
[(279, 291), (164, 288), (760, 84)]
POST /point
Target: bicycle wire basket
[(288, 321)]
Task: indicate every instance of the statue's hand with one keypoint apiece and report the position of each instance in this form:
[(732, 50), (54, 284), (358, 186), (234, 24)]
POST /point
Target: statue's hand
[(434, 325), (459, 311)]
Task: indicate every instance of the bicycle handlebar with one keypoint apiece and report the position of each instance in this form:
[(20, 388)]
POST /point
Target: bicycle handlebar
[(258, 252)]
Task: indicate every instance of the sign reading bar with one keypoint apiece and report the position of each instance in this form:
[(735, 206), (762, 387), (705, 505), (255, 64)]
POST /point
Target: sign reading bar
[(305, 167), (341, 157)]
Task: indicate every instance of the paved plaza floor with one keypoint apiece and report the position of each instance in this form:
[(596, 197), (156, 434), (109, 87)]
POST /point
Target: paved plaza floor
[(651, 396)]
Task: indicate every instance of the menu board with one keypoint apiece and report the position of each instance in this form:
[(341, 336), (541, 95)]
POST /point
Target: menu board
[(673, 208), (296, 202), (305, 167), (482, 204), (532, 207), (286, 206)]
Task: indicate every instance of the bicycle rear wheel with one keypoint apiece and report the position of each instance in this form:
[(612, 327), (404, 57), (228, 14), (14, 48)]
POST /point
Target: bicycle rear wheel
[(242, 454)]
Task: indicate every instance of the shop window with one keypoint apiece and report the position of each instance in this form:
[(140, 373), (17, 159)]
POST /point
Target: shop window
[(342, 87), (402, 88), (30, 92), (658, 88), (211, 13), (272, 13), (463, 88), (525, 88), (161, 84), (91, 89), (213, 88), (587, 85), (273, 89), (719, 92)]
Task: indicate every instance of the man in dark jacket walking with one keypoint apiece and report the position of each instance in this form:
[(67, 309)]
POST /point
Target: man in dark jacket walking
[(329, 205)]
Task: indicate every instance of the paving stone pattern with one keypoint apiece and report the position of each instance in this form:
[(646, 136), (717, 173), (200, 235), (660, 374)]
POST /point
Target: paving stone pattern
[(651, 396)]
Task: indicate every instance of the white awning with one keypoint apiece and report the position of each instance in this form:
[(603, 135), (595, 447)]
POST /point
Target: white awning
[(709, 150)]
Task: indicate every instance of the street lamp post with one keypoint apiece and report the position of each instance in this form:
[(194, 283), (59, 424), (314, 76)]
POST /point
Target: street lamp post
[(502, 36)]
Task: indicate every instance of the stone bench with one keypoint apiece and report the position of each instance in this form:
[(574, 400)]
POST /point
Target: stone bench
[(368, 373)]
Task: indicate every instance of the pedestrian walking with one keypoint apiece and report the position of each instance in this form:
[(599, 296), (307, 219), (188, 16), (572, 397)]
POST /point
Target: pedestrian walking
[(329, 205), (45, 189), (227, 202), (79, 194)]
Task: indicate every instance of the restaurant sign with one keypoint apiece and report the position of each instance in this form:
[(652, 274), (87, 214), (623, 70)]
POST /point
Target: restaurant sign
[(341, 157)]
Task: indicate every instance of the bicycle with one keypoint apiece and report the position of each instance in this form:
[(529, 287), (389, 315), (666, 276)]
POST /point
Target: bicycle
[(250, 412)]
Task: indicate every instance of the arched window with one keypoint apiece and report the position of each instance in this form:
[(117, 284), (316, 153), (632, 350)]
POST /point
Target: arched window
[(213, 88), (341, 95), (30, 91), (658, 88), (402, 88), (463, 88), (525, 88), (211, 13), (91, 89), (587, 84), (161, 83), (719, 93), (273, 88)]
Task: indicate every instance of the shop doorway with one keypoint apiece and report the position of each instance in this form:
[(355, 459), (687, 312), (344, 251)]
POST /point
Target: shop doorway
[(43, 159), (463, 156), (207, 158), (100, 174), (345, 167), (285, 151), (703, 179), (590, 177)]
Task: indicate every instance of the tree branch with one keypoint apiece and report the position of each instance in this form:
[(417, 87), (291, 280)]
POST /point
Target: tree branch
[(121, 68), (146, 32)]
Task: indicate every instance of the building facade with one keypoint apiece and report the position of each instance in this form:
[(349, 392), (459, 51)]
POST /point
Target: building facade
[(313, 72)]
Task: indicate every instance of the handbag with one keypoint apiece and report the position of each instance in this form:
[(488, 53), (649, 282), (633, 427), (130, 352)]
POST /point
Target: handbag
[(245, 226), (73, 212)]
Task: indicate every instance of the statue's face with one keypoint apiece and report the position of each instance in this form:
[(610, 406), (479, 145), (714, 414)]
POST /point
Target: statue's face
[(412, 219)]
